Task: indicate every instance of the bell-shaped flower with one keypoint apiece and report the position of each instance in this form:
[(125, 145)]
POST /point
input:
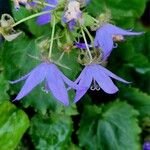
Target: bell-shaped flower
[(46, 18), (96, 77), (55, 82), (107, 35)]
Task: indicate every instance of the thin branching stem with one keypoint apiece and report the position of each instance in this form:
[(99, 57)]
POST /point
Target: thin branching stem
[(52, 38), (30, 17), (87, 47), (89, 34)]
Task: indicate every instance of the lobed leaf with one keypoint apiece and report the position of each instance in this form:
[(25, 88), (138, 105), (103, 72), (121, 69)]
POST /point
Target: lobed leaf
[(138, 99), (113, 126)]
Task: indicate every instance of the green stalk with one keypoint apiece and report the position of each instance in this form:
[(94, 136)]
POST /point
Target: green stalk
[(95, 20), (52, 38), (88, 33), (30, 17), (88, 50)]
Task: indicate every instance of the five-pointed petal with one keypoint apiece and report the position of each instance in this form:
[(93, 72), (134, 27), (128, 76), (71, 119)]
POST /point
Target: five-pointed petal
[(101, 75), (54, 78)]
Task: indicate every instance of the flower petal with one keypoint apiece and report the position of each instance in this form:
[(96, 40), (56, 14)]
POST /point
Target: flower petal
[(82, 74), (112, 29), (82, 45), (104, 80), (32, 4), (78, 79), (71, 24), (53, 2), (104, 41), (36, 76), (84, 84), (44, 19), (69, 82), (20, 79), (112, 75), (57, 86)]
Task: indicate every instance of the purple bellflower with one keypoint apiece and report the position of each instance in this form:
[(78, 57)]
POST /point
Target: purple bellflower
[(46, 18), (96, 77), (54, 79), (107, 34), (146, 145)]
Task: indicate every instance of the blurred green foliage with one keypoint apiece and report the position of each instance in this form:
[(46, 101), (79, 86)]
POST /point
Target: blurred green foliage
[(113, 126), (52, 132), (13, 124)]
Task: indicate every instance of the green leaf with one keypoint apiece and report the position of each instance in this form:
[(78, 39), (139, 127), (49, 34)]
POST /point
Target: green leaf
[(51, 132), (120, 9), (140, 63), (13, 124), (88, 20), (109, 127), (137, 98), (4, 87)]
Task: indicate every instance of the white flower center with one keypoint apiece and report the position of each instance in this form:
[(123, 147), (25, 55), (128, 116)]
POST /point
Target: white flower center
[(73, 11)]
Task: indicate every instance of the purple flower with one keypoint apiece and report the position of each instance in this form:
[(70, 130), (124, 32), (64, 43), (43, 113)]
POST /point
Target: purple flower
[(107, 34), (54, 79), (81, 45), (46, 18), (146, 145), (71, 24), (100, 77), (32, 4)]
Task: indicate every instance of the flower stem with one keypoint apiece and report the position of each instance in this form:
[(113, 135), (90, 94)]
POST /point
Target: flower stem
[(88, 33), (30, 17), (95, 20), (43, 3), (52, 38), (87, 47), (61, 65), (61, 56)]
